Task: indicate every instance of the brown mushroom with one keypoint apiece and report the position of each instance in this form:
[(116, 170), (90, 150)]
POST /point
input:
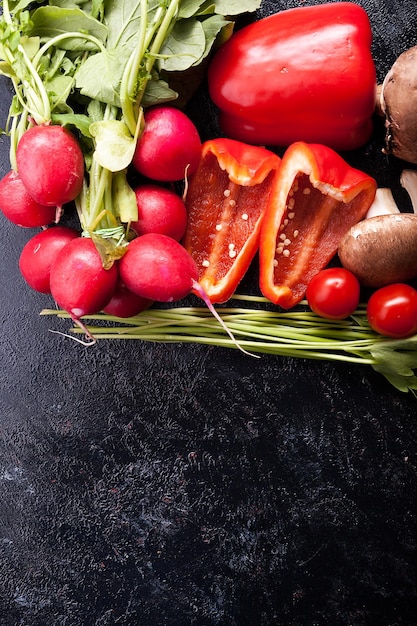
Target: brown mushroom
[(381, 250), (398, 104)]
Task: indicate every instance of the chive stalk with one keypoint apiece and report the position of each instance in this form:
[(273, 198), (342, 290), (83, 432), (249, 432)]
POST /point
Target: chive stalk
[(297, 333)]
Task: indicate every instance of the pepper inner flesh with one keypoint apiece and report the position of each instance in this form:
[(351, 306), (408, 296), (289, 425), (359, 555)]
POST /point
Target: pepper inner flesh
[(305, 225), (230, 213)]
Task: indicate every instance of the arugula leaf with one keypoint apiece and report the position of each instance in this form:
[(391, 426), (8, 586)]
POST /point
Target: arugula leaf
[(158, 92), (49, 22), (100, 75), (124, 21), (174, 55), (236, 7)]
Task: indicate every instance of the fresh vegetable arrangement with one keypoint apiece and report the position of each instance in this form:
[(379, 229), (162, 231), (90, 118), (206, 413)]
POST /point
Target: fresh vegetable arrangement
[(94, 126)]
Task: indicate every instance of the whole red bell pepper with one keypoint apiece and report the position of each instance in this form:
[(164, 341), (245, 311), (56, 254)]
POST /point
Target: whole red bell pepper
[(318, 197), (302, 74), (226, 200)]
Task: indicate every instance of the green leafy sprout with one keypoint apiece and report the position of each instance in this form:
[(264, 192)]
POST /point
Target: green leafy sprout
[(259, 328)]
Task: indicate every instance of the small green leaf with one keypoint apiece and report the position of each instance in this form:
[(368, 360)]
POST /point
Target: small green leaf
[(49, 22), (158, 92), (124, 198), (30, 45), (6, 69), (100, 75), (188, 8), (184, 47), (401, 382), (397, 360), (212, 26), (115, 145), (236, 7), (81, 122), (59, 89), (108, 249), (207, 9), (21, 5)]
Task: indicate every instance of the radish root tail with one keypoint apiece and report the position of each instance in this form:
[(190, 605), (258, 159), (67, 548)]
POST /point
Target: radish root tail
[(199, 291), (89, 339)]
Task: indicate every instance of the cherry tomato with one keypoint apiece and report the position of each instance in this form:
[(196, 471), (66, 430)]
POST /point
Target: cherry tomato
[(333, 293), (392, 310)]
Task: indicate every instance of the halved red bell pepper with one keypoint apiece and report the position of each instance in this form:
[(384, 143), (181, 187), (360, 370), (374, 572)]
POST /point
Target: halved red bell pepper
[(304, 74), (226, 200), (319, 196)]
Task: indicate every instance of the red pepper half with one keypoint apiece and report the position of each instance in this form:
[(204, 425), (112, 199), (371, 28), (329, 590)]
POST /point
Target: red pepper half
[(318, 198), (226, 200), (304, 74)]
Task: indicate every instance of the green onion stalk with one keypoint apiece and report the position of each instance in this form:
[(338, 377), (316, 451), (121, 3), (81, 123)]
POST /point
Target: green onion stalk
[(259, 330)]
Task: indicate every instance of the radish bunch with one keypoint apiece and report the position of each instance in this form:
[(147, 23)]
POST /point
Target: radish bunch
[(99, 72), (69, 264)]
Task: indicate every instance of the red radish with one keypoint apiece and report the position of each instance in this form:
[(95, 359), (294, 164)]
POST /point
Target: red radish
[(51, 164), (169, 148), (125, 303), (159, 268), (39, 253), (160, 211), (19, 207), (79, 283)]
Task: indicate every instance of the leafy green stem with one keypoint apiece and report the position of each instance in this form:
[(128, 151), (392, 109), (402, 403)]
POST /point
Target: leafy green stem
[(151, 39), (62, 37), (269, 332), (41, 108), (6, 12), (130, 74), (161, 35)]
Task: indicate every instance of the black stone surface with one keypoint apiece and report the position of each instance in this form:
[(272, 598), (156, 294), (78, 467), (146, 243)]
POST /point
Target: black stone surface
[(184, 485)]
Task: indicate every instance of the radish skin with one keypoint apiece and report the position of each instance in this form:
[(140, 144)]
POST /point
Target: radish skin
[(169, 148), (160, 210), (157, 267), (125, 303), (18, 205), (39, 253), (79, 283), (51, 164)]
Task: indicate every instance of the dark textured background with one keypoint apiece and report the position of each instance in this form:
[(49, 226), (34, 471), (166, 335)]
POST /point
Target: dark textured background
[(185, 485)]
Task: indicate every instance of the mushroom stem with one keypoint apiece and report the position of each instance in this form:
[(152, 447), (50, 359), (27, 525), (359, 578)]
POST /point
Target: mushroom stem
[(408, 181), (383, 204)]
